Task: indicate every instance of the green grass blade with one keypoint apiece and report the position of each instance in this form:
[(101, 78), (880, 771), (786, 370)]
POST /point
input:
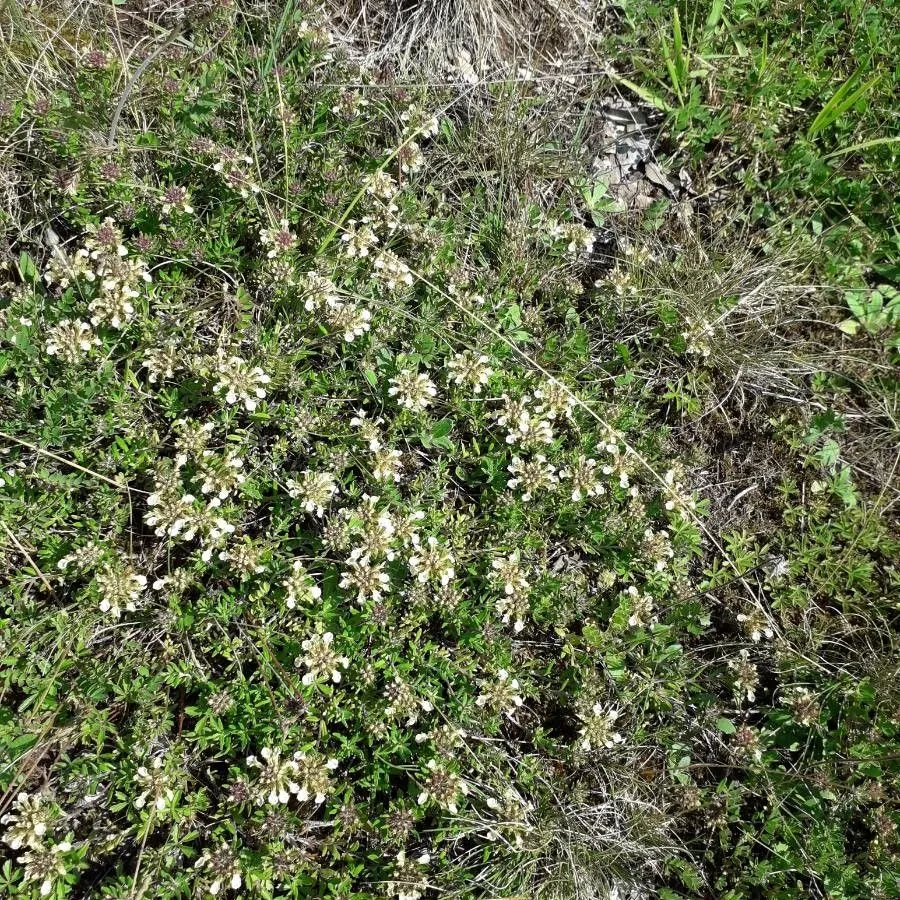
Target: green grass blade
[(713, 19), (863, 145), (678, 47), (844, 98), (646, 95)]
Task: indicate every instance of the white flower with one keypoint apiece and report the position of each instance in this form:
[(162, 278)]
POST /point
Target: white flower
[(368, 429), (319, 292), (176, 197), (555, 399), (279, 239), (27, 821), (431, 562), (500, 694), (42, 863), (277, 777), (411, 158), (381, 184), (155, 784), (299, 587), (367, 578), (585, 477), (315, 490), (470, 370), (533, 475), (391, 271), (239, 381), (313, 776), (358, 242), (598, 728), (348, 318), (413, 390), (222, 868), (320, 659), (386, 465), (119, 587), (443, 787), (70, 341), (757, 625)]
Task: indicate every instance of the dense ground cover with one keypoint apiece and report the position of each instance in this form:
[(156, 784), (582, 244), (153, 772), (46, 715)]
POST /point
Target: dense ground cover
[(391, 509)]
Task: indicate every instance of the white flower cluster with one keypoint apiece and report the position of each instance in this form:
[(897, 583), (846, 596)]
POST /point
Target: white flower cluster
[(176, 197), (162, 362), (533, 475), (618, 464), (369, 430), (500, 694), (220, 475), (698, 337), (320, 659), (348, 319), (578, 239), (414, 390), (511, 823), (404, 704), (220, 868), (514, 603), (278, 239), (756, 625), (358, 241), (391, 272), (419, 123), (381, 184), (239, 382), (178, 515), (657, 548), (230, 166), (640, 608), (411, 157), (70, 341), (318, 291), (599, 729), (119, 587), (431, 562), (315, 490), (409, 881), (28, 823), (155, 785), (585, 477), (387, 464), (364, 576), (442, 786), (104, 262), (677, 499), (525, 425), (344, 316), (299, 587), (470, 370), (554, 400), (305, 775)]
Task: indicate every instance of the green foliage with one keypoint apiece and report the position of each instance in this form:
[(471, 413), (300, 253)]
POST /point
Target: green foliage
[(366, 530)]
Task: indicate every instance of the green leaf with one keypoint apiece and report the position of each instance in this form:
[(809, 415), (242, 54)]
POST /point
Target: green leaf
[(726, 726), (442, 429), (27, 269)]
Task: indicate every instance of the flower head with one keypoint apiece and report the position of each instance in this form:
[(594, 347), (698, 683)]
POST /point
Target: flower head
[(413, 390), (320, 659)]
